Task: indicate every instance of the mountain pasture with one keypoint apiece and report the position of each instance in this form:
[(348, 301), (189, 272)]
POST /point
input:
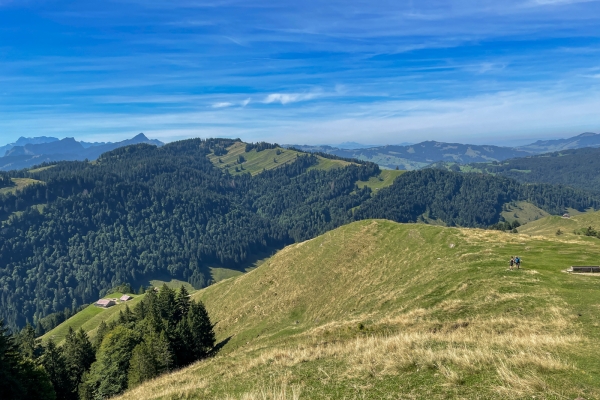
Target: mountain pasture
[(375, 309)]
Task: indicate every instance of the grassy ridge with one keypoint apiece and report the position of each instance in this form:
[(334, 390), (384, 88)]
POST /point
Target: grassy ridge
[(375, 309), (257, 161)]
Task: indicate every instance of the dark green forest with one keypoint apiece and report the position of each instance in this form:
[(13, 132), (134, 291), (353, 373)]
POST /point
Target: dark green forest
[(578, 168), (472, 200), (165, 331), (5, 181), (140, 211)]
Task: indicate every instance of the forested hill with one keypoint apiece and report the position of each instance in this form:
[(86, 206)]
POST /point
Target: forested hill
[(471, 200), (141, 211), (578, 168)]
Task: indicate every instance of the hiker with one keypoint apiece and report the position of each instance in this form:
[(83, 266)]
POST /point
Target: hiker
[(518, 262), (512, 262)]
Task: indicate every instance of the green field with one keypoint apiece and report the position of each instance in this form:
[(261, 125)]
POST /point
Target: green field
[(33, 171), (380, 310), (174, 284), (258, 161), (385, 178), (90, 318), (523, 212), (20, 183)]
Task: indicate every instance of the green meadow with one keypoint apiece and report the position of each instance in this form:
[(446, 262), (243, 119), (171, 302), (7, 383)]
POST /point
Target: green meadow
[(377, 310)]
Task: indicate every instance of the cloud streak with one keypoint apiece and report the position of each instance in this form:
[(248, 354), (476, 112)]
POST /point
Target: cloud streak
[(261, 69)]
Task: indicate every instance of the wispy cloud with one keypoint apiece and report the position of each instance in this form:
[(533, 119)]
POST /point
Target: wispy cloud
[(285, 98), (346, 68), (222, 104)]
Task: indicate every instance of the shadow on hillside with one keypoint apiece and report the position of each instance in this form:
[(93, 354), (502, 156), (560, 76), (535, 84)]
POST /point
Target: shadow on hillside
[(219, 346)]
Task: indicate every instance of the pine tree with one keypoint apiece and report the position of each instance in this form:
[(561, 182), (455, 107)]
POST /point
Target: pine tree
[(182, 301), (141, 366), (149, 359), (200, 331), (166, 303), (79, 356), (100, 333), (21, 378), (10, 383), (108, 374), (54, 363), (27, 342)]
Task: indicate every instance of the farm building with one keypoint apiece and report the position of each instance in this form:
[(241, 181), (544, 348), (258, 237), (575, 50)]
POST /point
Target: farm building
[(105, 303), (125, 298)]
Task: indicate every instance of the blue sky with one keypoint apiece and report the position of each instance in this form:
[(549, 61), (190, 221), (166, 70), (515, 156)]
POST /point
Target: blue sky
[(380, 72)]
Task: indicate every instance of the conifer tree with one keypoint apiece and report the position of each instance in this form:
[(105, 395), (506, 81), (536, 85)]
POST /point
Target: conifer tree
[(200, 330), (108, 374), (10, 383), (141, 366), (79, 356), (28, 344), (54, 363), (100, 333), (182, 301), (21, 378), (166, 303)]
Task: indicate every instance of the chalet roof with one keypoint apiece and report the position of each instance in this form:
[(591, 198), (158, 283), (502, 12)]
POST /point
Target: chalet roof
[(104, 302), (125, 297)]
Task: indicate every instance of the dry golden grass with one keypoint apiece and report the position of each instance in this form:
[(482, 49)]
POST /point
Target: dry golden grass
[(380, 305)]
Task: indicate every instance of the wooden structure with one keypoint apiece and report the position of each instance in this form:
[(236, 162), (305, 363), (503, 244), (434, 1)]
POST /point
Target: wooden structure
[(105, 303), (125, 298), (585, 268)]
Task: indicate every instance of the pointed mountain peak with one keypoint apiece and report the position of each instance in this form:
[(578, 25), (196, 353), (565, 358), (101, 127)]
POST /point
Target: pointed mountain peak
[(140, 136)]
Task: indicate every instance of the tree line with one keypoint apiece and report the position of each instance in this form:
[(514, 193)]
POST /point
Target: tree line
[(164, 331)]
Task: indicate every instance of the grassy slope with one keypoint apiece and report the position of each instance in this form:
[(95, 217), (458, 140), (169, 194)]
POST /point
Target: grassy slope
[(385, 178), (376, 309), (256, 162), (548, 226), (33, 171), (20, 183), (90, 318), (523, 212)]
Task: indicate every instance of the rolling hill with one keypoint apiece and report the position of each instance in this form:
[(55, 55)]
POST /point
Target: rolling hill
[(587, 139), (238, 161), (377, 309), (411, 157), (420, 155), (577, 168)]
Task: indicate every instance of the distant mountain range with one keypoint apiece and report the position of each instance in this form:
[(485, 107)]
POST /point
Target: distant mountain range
[(587, 139), (27, 152), (416, 156)]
